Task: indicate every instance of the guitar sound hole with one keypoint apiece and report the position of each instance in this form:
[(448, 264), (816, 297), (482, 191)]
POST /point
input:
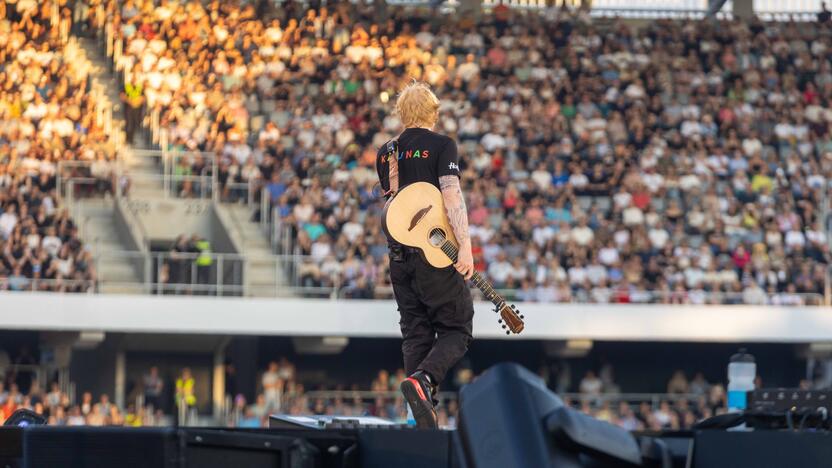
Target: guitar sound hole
[(437, 236)]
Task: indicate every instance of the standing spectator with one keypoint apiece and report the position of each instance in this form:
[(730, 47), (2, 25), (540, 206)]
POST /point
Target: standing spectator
[(153, 386), (591, 385), (272, 386), (133, 98), (185, 384), (678, 383), (698, 386)]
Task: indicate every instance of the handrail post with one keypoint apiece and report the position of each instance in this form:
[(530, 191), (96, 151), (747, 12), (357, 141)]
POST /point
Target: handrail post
[(148, 264), (215, 179), (277, 276), (159, 285), (59, 179), (828, 286), (220, 258), (265, 212), (243, 277), (250, 194), (193, 275), (166, 173)]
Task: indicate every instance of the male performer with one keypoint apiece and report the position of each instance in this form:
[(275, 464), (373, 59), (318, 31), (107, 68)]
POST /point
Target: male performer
[(434, 303)]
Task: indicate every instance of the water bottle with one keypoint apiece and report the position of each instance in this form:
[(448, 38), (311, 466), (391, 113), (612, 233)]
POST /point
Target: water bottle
[(411, 421), (741, 373)]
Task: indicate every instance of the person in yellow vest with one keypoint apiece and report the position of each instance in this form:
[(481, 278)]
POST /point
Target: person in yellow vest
[(185, 389), (133, 418), (133, 98), (204, 261)]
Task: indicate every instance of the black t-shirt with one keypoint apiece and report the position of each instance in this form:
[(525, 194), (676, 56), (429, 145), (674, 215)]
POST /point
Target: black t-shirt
[(424, 156)]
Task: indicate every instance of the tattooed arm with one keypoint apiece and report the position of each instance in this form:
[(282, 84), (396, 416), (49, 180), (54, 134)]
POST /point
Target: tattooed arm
[(458, 218)]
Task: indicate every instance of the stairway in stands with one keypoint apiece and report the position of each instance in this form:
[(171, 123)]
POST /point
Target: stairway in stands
[(130, 161), (96, 216), (261, 270)]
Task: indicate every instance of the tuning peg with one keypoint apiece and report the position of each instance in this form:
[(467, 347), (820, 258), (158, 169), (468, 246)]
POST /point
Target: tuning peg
[(508, 332), (504, 327), (499, 320), (514, 307), (521, 316)]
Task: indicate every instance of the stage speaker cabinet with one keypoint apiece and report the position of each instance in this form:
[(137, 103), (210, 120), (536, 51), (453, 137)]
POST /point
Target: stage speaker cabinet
[(508, 418), (92, 447)]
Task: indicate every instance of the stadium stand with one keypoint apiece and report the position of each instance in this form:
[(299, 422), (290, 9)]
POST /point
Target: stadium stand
[(51, 123), (680, 162), (280, 390)]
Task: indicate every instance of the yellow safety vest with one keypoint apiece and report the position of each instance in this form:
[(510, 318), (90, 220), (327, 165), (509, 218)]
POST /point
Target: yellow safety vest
[(185, 390)]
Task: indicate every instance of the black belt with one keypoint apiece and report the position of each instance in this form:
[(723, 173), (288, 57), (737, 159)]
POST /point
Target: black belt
[(398, 251)]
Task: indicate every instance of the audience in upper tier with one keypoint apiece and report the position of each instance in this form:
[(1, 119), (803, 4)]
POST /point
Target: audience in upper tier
[(682, 162), (47, 116)]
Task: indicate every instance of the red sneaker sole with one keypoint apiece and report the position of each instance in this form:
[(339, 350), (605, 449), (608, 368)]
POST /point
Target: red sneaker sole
[(422, 408)]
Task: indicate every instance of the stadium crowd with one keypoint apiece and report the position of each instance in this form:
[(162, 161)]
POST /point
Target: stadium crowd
[(48, 115), (683, 162), (281, 391)]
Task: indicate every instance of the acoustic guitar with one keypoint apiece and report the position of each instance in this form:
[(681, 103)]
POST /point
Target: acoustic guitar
[(416, 217)]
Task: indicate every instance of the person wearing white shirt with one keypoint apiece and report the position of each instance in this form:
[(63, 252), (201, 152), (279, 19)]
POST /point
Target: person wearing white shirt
[(578, 180), (816, 236), (795, 239), (542, 177), (609, 255), (582, 234), (577, 275), (353, 229), (632, 216), (321, 248), (596, 273), (272, 386), (8, 221), (51, 243), (658, 237), (546, 293), (542, 234), (500, 270)]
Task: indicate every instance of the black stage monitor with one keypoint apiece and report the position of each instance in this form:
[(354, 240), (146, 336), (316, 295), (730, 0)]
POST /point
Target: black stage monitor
[(508, 418)]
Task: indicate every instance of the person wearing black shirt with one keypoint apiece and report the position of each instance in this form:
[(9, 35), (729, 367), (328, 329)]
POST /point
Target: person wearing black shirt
[(435, 306), (825, 14)]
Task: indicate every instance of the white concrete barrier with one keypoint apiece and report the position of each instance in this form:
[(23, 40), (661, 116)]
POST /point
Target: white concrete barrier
[(356, 318)]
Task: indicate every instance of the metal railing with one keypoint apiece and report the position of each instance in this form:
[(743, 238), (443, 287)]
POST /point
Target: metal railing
[(653, 399), (21, 283), (767, 10), (166, 273), (174, 273)]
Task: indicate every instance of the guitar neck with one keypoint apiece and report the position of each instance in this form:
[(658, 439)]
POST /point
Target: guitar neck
[(482, 284)]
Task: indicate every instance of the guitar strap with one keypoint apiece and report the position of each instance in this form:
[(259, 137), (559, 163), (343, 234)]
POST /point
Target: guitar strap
[(393, 165)]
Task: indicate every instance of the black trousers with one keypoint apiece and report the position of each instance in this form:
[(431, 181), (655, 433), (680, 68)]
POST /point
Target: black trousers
[(436, 314), (132, 121)]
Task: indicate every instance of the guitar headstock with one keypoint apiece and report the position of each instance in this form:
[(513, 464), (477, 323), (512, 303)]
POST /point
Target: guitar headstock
[(511, 319)]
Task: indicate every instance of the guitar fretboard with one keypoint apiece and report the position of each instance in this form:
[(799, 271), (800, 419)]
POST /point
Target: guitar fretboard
[(451, 251)]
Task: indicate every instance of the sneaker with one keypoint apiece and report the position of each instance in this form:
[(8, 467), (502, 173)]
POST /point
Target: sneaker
[(418, 392)]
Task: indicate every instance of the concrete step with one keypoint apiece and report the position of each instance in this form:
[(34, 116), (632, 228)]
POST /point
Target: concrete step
[(261, 272), (109, 288), (252, 246), (117, 270)]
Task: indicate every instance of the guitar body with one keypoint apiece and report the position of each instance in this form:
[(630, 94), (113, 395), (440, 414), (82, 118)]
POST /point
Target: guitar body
[(416, 217), (412, 215)]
